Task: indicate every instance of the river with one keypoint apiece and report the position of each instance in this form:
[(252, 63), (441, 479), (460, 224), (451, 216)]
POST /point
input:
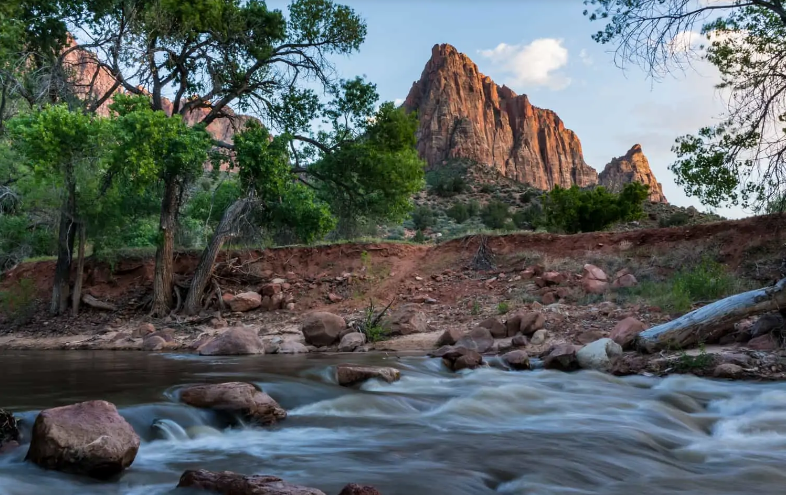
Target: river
[(487, 431)]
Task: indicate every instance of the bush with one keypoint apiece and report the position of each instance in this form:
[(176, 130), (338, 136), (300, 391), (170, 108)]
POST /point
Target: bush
[(18, 302), (495, 214), (419, 237), (458, 212), (503, 308), (675, 220), (447, 181), (526, 197), (529, 218), (423, 217), (575, 210), (473, 208), (487, 188)]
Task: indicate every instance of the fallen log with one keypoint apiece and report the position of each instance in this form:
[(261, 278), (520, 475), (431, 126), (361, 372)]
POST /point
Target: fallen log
[(96, 304), (712, 321)]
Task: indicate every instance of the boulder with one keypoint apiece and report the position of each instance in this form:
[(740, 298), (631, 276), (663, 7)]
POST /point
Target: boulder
[(497, 329), (406, 320), (229, 483), (323, 329), (168, 334), (553, 278), (143, 330), (245, 301), (236, 341), (520, 340), (626, 280), (153, 343), (549, 298), (244, 399), (449, 337), (517, 360), (351, 341), (594, 280), (355, 489), (765, 342), (292, 347), (527, 323), (272, 344), (458, 358), (630, 364), (625, 332), (728, 370), (478, 339), (350, 374), (561, 357), (89, 438), (766, 324), (589, 336), (599, 355), (469, 360), (540, 337), (270, 289)]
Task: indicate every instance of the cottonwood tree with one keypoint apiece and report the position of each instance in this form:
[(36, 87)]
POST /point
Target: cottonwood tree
[(741, 160)]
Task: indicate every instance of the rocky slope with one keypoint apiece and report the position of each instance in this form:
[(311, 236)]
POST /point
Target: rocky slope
[(633, 167)]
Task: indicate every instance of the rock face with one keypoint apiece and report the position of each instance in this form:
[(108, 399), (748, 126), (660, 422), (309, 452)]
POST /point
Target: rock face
[(234, 342), (350, 374), (464, 114), (633, 167), (241, 398), (229, 483), (88, 438)]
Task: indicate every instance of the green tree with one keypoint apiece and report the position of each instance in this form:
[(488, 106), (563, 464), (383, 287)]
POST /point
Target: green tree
[(742, 159), (575, 210), (423, 217), (495, 214), (458, 212)]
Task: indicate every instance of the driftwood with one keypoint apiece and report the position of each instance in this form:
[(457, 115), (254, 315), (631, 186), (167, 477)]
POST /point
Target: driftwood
[(714, 320), (96, 304)]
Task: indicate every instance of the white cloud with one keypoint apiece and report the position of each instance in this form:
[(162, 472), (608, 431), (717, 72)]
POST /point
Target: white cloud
[(398, 102), (533, 64), (685, 41), (585, 57)]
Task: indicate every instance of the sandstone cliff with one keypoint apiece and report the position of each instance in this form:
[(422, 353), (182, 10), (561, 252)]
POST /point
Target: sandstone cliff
[(633, 167), (464, 114)]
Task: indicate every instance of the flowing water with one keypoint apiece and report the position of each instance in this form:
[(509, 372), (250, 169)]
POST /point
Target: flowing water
[(487, 431)]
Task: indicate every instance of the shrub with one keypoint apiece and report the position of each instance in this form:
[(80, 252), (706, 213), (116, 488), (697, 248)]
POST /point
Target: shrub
[(423, 217), (487, 188), (675, 220), (495, 214), (473, 208), (575, 210), (447, 181), (18, 302), (419, 237), (458, 212), (475, 308), (529, 218), (503, 308), (526, 197)]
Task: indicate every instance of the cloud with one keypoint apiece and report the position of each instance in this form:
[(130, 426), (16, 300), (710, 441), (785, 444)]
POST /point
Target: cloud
[(585, 57), (398, 102), (685, 41), (533, 64)]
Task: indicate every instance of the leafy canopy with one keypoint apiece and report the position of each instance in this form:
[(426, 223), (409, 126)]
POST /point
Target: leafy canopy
[(575, 210)]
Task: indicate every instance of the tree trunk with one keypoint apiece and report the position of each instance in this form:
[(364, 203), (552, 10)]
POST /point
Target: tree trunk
[(714, 320), (65, 249), (163, 279), (80, 268), (204, 270)]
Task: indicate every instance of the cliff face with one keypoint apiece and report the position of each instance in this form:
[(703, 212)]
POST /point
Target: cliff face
[(633, 167), (464, 114)]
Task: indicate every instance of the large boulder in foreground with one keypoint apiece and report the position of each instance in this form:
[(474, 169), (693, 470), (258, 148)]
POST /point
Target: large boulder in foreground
[(89, 438), (599, 355), (243, 399), (322, 329), (350, 374), (233, 342), (229, 483), (352, 341), (478, 339), (406, 320)]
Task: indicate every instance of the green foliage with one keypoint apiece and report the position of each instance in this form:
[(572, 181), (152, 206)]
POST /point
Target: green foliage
[(526, 197), (458, 212), (473, 208), (487, 188), (702, 361), (475, 310), (530, 217), (575, 210), (495, 214), (423, 217), (370, 325), (419, 237), (503, 307), (447, 180), (18, 301), (676, 219)]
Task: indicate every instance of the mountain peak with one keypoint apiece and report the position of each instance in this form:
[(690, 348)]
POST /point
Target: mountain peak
[(633, 167)]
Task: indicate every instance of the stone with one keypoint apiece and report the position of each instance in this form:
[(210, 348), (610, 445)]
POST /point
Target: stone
[(245, 301), (633, 167), (406, 320), (88, 438), (594, 280), (355, 489), (728, 370), (517, 360), (281, 281), (554, 278), (766, 324), (143, 330), (322, 328), (229, 483), (457, 358), (168, 334), (350, 374), (625, 331), (9, 428), (562, 358), (521, 340), (227, 298), (244, 399), (589, 336), (549, 298), (154, 343), (765, 342), (272, 344), (290, 306), (478, 339), (449, 337), (540, 337), (292, 347), (627, 280), (599, 355), (527, 323), (270, 289), (351, 341), (629, 364), (334, 298), (236, 341), (469, 360), (497, 329), (276, 301)]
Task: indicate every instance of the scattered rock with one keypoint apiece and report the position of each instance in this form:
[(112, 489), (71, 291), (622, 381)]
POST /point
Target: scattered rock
[(153, 343), (323, 329), (521, 340), (553, 278), (626, 280), (245, 399), (233, 342), (497, 329), (334, 298), (549, 298), (143, 330), (766, 324), (168, 334), (459, 358), (728, 370), (589, 336), (539, 337), (562, 357), (89, 438), (766, 342), (292, 347), (518, 360), (599, 355), (270, 289), (272, 344), (350, 374), (229, 483), (290, 306), (629, 364), (406, 320), (594, 280), (355, 489), (449, 337), (351, 341), (245, 301), (625, 332), (478, 339), (527, 323)]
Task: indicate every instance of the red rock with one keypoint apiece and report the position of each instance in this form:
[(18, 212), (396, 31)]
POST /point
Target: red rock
[(624, 332), (270, 289), (594, 280), (763, 343), (245, 399), (449, 337), (517, 360), (478, 339), (245, 301), (562, 357), (143, 330), (549, 298), (590, 336), (554, 278), (236, 341), (406, 320), (497, 329), (350, 374), (354, 489), (334, 298), (627, 280), (229, 483), (323, 329), (633, 167)]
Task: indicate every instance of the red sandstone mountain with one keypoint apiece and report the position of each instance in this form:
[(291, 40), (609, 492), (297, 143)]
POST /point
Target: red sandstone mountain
[(633, 167)]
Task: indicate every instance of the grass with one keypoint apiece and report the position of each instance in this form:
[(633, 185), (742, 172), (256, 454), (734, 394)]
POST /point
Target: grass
[(503, 308), (686, 363), (475, 311)]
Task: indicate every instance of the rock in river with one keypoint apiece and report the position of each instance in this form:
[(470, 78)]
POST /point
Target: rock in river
[(323, 329), (234, 342), (245, 399), (229, 483), (88, 438), (599, 355), (350, 374), (355, 489)]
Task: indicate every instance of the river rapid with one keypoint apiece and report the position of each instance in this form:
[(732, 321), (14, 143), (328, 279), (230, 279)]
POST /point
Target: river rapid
[(488, 431)]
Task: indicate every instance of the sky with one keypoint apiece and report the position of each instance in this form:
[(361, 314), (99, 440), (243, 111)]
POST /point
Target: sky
[(543, 48)]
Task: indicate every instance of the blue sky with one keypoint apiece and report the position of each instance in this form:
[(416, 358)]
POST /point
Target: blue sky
[(548, 54)]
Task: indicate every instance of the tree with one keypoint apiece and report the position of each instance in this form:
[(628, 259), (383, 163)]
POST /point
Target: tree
[(495, 214), (575, 210), (741, 160)]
